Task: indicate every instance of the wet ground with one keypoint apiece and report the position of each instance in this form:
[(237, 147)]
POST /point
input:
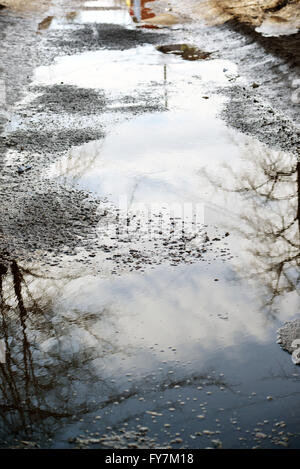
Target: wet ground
[(149, 230)]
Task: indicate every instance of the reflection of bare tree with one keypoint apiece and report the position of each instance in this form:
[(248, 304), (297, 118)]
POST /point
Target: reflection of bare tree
[(77, 162), (270, 190), (38, 385), (16, 408), (250, 11)]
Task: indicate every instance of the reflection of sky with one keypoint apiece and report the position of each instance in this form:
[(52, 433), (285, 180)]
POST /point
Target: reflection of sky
[(103, 3), (119, 17), (123, 71), (183, 309), (152, 156)]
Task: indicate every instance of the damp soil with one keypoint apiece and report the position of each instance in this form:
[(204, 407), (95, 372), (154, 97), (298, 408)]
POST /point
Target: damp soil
[(94, 37)]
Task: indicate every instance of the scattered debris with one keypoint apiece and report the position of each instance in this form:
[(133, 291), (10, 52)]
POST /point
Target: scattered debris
[(186, 51)]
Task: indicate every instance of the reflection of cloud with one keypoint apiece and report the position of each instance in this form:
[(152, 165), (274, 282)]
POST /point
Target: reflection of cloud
[(170, 310)]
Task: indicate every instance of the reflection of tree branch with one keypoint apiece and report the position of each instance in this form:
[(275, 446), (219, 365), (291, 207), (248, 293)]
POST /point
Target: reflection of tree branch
[(270, 188), (35, 385)]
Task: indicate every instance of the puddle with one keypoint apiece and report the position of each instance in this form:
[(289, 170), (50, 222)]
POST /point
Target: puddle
[(143, 169), (271, 18), (179, 349), (128, 13), (120, 17)]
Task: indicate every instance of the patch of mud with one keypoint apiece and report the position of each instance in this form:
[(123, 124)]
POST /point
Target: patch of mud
[(97, 36), (185, 51), (288, 334)]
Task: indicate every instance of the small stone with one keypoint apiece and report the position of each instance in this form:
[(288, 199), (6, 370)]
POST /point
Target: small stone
[(261, 435)]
